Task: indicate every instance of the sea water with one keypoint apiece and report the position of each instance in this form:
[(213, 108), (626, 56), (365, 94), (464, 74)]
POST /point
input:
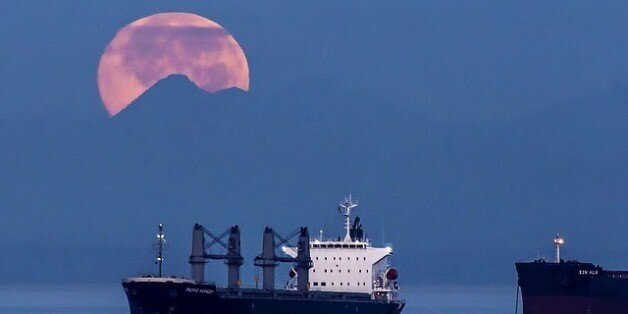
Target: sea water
[(110, 298), (75, 298), (460, 299)]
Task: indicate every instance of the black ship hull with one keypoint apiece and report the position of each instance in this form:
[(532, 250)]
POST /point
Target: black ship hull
[(185, 297), (572, 288)]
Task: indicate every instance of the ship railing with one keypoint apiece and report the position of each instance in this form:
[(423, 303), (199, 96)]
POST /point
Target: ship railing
[(339, 245)]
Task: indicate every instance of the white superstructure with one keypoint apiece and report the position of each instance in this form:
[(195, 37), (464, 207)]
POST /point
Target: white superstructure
[(351, 264)]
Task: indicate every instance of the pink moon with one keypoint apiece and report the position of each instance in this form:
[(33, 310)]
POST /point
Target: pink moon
[(154, 47)]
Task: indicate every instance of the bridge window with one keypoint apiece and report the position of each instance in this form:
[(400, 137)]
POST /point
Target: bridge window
[(324, 284), (315, 284)]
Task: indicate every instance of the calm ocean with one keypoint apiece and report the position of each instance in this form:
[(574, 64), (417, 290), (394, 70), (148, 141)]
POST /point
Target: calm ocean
[(435, 299)]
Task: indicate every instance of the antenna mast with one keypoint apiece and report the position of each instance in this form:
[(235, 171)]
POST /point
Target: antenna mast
[(345, 209), (161, 239)]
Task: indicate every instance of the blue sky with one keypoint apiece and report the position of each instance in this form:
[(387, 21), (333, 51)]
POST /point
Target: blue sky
[(475, 130)]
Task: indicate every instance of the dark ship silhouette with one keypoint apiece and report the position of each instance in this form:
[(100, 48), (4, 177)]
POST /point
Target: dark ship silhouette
[(571, 287)]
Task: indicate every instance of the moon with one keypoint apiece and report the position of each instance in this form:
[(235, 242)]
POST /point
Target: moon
[(154, 47)]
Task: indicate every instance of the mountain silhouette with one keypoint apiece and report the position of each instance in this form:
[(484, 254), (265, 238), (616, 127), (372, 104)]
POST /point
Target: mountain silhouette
[(175, 99)]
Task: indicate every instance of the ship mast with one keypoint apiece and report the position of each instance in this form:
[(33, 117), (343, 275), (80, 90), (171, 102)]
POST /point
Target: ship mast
[(345, 209), (558, 242), (161, 239)]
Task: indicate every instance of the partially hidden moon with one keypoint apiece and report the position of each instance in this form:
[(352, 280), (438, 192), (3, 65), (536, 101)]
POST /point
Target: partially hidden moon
[(154, 47)]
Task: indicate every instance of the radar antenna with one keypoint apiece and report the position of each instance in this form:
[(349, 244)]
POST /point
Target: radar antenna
[(345, 208)]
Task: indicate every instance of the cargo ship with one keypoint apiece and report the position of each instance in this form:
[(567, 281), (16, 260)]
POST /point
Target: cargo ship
[(342, 275), (571, 287)]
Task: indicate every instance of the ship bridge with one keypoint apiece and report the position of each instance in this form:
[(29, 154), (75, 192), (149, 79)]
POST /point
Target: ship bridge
[(351, 264)]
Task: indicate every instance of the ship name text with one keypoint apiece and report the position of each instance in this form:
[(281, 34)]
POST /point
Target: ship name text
[(199, 290)]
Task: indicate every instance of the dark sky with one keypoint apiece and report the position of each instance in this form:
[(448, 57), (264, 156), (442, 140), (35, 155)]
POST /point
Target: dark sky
[(470, 133)]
